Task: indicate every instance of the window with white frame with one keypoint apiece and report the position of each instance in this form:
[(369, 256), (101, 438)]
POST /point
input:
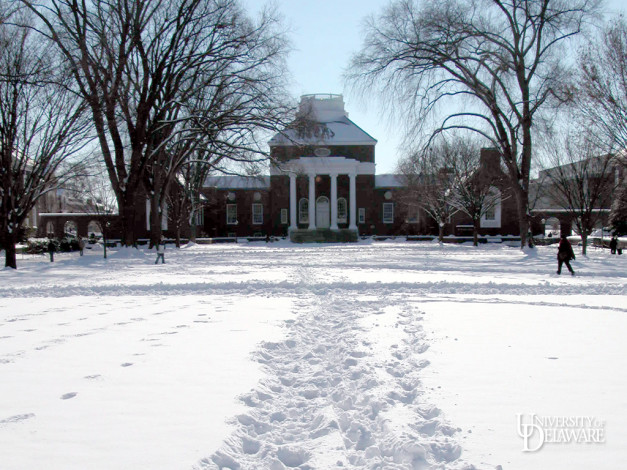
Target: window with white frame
[(257, 214), (491, 217), (388, 212), (342, 211), (362, 215), (303, 211), (284, 216), (231, 214)]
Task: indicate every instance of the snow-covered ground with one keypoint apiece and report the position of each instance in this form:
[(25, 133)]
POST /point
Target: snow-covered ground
[(387, 355)]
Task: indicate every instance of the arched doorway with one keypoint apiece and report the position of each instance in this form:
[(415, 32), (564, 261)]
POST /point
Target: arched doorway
[(93, 228), (70, 228), (552, 227), (323, 213)]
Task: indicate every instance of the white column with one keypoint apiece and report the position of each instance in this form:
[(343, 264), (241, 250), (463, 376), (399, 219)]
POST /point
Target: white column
[(353, 203), (312, 202), (293, 202), (333, 201)]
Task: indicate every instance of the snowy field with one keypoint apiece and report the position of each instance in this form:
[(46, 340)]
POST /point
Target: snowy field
[(389, 355)]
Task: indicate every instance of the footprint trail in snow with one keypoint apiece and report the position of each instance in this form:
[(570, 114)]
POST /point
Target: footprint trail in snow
[(329, 400)]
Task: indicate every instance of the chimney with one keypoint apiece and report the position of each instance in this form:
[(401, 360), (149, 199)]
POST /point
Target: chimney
[(490, 160)]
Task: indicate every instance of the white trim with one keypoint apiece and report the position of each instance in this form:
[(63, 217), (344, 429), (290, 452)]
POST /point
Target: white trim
[(312, 198), (293, 203), (497, 200), (352, 209), (323, 166)]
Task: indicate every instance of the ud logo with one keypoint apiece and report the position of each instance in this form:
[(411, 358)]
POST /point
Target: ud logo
[(531, 432)]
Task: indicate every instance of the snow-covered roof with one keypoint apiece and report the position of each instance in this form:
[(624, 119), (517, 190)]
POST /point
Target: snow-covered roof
[(329, 111), (388, 181), (237, 182)]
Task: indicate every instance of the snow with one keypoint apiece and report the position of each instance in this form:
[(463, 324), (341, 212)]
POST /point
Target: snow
[(395, 355)]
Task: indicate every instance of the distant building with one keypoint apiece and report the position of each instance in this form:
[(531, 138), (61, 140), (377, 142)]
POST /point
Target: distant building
[(594, 180), (323, 186)]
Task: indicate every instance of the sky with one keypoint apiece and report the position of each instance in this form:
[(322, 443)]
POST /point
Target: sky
[(324, 35)]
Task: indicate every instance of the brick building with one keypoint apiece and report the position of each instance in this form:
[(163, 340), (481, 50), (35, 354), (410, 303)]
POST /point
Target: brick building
[(323, 187)]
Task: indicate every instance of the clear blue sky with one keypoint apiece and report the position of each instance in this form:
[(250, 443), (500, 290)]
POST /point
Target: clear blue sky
[(324, 35)]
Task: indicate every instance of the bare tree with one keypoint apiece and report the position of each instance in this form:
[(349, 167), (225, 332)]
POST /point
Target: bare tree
[(428, 185), (495, 63), (138, 63), (472, 190), (42, 128), (618, 216), (97, 199), (581, 181), (602, 94)]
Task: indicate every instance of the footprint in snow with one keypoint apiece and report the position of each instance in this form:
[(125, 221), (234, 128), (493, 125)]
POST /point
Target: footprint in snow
[(126, 364), (67, 396), (17, 418)]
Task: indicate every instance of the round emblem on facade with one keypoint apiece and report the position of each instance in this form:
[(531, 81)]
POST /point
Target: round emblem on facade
[(231, 196), (388, 195), (257, 196), (322, 152)]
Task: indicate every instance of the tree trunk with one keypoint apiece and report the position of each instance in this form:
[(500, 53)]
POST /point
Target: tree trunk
[(523, 221), (9, 253), (177, 236), (127, 216), (584, 242), (192, 226), (192, 232), (475, 232), (441, 233), (155, 221)]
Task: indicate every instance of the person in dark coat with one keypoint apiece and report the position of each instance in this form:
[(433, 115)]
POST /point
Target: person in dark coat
[(51, 249), (564, 255), (613, 244)]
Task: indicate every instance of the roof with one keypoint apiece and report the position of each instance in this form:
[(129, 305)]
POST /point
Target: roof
[(388, 181), (237, 182), (342, 131), (328, 111)]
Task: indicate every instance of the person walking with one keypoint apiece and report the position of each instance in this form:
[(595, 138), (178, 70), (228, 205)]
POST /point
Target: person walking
[(51, 249), (161, 250), (613, 244), (81, 245), (564, 255)]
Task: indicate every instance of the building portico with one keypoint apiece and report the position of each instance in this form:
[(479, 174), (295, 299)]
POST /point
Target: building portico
[(333, 167)]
